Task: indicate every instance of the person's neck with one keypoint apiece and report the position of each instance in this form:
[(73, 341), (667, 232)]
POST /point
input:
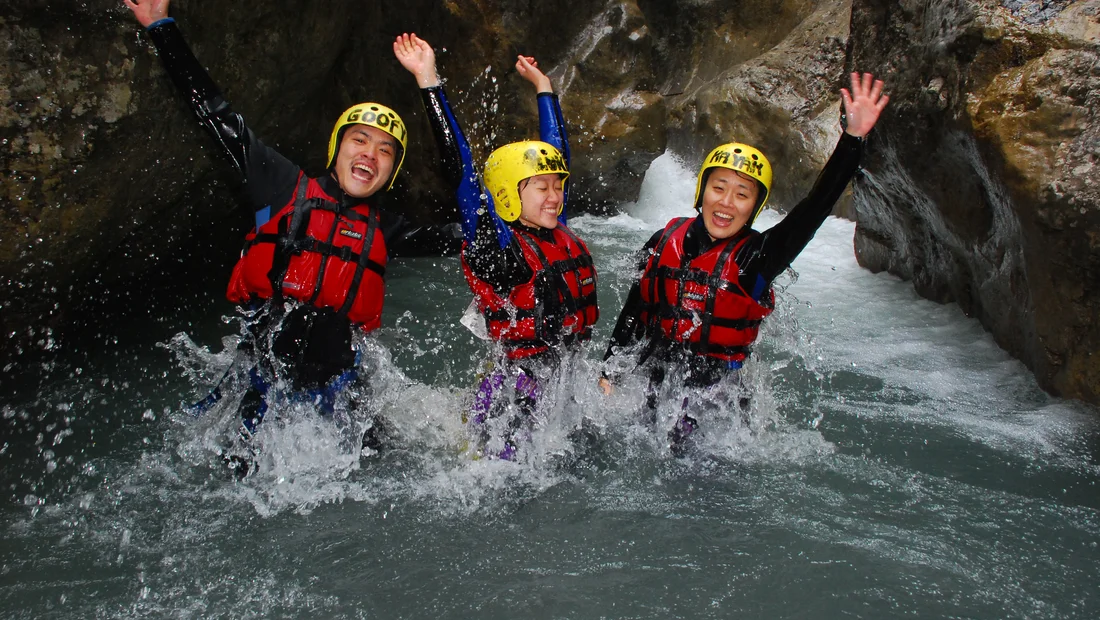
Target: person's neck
[(533, 229), (331, 185)]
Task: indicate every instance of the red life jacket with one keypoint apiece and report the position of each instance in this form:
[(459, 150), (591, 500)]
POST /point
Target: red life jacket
[(558, 303), (315, 252), (700, 302)]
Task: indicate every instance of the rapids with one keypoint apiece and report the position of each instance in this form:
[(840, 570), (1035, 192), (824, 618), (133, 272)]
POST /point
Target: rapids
[(895, 463)]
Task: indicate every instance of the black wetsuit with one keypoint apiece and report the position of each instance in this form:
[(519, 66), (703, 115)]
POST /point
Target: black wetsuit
[(270, 181), (761, 259)]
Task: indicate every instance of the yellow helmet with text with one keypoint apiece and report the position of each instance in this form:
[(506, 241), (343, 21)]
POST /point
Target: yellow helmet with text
[(373, 115), (511, 164), (740, 158)]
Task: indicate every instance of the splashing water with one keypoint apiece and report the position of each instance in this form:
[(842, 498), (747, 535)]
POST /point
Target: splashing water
[(893, 462)]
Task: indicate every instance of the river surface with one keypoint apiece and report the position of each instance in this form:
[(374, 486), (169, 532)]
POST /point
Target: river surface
[(895, 463)]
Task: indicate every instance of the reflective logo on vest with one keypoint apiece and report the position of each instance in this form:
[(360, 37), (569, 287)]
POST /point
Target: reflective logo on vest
[(351, 233)]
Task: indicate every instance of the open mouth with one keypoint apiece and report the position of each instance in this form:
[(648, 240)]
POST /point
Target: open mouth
[(723, 219), (363, 173)]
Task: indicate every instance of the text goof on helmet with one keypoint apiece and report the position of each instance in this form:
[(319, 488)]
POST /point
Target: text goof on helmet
[(372, 115), (514, 162)]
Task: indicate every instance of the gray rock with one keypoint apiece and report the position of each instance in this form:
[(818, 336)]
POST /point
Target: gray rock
[(980, 186)]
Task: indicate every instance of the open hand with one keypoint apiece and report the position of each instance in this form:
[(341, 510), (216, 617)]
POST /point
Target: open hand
[(148, 11), (863, 104), (528, 67), (418, 57)]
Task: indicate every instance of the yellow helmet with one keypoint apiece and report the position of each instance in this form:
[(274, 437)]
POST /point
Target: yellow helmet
[(739, 158), (514, 162), (373, 115)]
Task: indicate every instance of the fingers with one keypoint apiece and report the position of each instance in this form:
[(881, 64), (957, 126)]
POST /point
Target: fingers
[(876, 90), (420, 43), (408, 43), (864, 86)]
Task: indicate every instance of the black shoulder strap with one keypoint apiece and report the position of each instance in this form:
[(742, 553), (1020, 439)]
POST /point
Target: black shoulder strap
[(364, 263), (299, 214)]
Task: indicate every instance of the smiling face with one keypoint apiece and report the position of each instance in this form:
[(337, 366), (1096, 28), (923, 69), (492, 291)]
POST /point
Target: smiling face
[(540, 199), (365, 160), (728, 202)]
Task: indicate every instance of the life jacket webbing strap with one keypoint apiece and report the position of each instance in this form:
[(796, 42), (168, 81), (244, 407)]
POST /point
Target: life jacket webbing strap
[(567, 303), (280, 262), (666, 311), (696, 276), (324, 261), (712, 290), (363, 263), (657, 292), (519, 314), (344, 252), (512, 347)]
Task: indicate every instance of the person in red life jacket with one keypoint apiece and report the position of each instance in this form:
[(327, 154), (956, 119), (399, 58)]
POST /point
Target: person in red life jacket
[(533, 280), (320, 245), (705, 282)]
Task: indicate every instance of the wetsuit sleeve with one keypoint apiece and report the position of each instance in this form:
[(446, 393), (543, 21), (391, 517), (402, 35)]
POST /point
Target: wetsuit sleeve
[(503, 267), (552, 131), (269, 177), (458, 166), (629, 327), (763, 258), (492, 253)]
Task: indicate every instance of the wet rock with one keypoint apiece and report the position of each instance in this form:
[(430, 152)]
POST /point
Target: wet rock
[(771, 80), (981, 183)]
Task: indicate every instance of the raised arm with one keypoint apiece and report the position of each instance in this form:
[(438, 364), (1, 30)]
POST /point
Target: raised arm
[(780, 245), (551, 121), (418, 58), (269, 177)]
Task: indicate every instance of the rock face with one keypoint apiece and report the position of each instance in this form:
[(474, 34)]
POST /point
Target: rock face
[(982, 184)]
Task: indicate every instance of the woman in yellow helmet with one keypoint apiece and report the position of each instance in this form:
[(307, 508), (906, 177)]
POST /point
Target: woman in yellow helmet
[(533, 279), (320, 244), (706, 281)]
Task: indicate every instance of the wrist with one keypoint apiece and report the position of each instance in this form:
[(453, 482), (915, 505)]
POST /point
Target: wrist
[(158, 21), (427, 80)]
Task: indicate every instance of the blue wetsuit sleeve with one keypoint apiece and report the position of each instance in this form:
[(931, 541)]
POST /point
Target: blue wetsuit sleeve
[(270, 179), (458, 167), (552, 131), (491, 251)]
